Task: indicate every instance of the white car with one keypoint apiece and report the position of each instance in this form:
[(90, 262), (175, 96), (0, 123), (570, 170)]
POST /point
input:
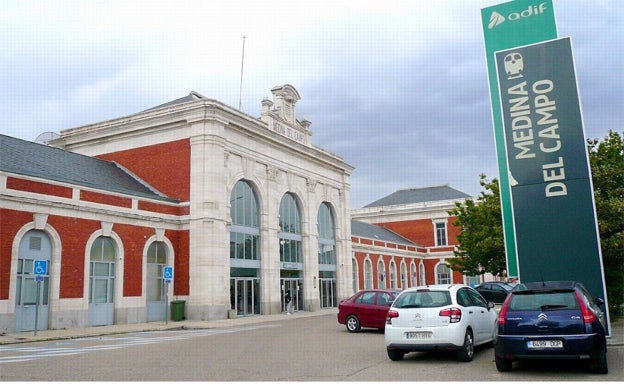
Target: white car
[(439, 317)]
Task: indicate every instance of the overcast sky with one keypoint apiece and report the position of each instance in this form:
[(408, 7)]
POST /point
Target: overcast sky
[(397, 88)]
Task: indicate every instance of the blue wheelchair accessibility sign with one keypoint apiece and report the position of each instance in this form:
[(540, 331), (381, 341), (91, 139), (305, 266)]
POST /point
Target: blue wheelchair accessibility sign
[(40, 267), (168, 273)]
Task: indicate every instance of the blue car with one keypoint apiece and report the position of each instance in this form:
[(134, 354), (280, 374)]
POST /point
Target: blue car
[(551, 320)]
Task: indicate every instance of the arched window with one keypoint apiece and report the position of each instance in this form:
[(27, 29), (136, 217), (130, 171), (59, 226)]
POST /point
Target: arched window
[(245, 231), (381, 272), (422, 278), (354, 274), (327, 256), (403, 275), (327, 236), (414, 281), (290, 230), (443, 273), (393, 275), (368, 274)]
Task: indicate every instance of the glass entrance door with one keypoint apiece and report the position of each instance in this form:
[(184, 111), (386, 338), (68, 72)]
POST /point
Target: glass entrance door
[(245, 295), (295, 286), (328, 292)]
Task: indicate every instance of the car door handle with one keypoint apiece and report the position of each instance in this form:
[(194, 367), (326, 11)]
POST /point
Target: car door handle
[(470, 312)]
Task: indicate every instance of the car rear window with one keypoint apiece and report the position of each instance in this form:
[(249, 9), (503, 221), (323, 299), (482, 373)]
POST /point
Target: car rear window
[(543, 301), (423, 299)]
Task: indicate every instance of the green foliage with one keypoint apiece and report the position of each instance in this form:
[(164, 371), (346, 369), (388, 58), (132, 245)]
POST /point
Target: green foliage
[(481, 247), (607, 166)]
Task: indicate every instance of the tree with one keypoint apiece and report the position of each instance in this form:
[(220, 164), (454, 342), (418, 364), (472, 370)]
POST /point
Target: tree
[(481, 246), (607, 165)]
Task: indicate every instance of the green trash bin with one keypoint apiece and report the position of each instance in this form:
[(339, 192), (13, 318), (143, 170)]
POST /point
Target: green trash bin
[(177, 310)]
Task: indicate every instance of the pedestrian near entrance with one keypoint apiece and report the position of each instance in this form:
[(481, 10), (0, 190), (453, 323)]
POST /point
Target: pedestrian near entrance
[(288, 301)]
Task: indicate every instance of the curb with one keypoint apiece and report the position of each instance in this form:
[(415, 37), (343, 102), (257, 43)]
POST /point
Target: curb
[(98, 331)]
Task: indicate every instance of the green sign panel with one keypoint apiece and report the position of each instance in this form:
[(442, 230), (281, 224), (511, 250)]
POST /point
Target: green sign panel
[(552, 197), (508, 25)]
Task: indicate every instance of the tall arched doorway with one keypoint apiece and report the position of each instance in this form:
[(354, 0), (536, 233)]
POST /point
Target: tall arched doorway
[(156, 287), (291, 254), (244, 250), (327, 256), (102, 282), (35, 245)]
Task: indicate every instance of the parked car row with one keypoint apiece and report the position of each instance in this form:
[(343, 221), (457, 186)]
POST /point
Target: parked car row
[(540, 320)]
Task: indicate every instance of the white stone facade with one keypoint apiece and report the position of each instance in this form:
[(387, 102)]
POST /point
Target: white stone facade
[(274, 154)]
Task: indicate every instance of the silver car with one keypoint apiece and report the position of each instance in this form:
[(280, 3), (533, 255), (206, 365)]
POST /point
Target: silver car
[(439, 317)]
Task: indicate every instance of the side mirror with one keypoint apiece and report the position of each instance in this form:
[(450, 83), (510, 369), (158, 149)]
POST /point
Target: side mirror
[(599, 301), (490, 305)]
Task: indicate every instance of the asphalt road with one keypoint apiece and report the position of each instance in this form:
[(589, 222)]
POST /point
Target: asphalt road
[(297, 349)]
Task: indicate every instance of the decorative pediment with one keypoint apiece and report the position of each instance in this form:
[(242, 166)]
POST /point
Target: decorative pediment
[(281, 115)]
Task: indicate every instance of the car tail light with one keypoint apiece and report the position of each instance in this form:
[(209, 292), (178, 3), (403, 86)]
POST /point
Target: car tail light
[(391, 314), (588, 315), (502, 315), (453, 313)]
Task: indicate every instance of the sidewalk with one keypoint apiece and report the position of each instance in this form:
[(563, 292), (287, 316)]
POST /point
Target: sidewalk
[(617, 326), (61, 334)]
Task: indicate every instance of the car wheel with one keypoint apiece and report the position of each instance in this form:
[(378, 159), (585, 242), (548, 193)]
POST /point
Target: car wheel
[(466, 352), (598, 364), (353, 324), (395, 354), (502, 364)]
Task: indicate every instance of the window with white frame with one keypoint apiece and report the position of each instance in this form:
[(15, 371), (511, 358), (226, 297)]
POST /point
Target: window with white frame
[(393, 280), (354, 274), (403, 275), (441, 233), (443, 273), (381, 275), (414, 281), (421, 273), (368, 274)]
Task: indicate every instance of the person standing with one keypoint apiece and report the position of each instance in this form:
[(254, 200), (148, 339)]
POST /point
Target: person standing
[(288, 301)]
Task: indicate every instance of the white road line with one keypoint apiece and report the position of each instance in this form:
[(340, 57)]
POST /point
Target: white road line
[(29, 353)]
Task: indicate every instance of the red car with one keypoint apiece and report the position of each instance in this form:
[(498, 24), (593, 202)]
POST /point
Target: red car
[(366, 308)]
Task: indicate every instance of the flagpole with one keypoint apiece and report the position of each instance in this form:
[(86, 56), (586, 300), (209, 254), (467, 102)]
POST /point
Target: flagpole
[(240, 92)]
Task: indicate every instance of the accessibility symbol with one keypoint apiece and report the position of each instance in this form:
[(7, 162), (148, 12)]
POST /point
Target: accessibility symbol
[(168, 273), (40, 267)]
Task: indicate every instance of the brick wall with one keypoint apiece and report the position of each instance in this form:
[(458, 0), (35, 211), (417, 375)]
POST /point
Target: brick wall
[(166, 166)]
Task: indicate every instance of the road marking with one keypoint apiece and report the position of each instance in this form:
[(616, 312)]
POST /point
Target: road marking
[(20, 353)]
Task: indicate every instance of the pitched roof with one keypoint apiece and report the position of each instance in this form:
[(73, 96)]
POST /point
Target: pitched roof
[(26, 158), (419, 195), (191, 97), (371, 231)]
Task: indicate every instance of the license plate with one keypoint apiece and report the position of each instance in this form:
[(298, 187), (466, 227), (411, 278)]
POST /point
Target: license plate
[(419, 335), (545, 344)]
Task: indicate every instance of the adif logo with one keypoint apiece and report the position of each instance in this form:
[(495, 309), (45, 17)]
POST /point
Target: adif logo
[(497, 19)]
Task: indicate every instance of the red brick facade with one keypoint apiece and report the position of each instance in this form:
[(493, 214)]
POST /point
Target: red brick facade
[(169, 174), (74, 232), (427, 254)]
